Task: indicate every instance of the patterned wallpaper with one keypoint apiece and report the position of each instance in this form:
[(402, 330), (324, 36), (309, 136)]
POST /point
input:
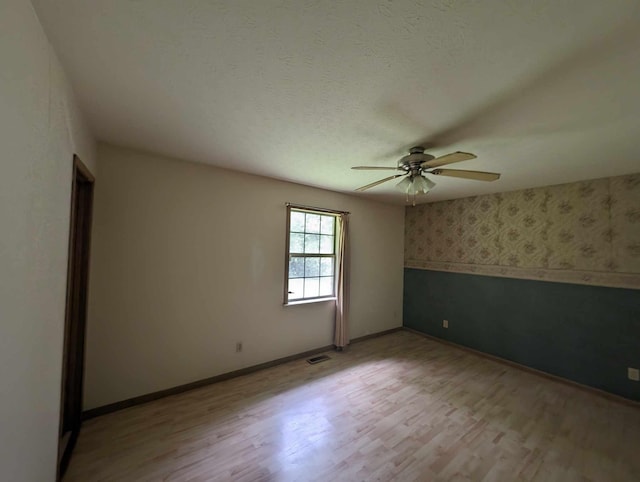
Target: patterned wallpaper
[(584, 232)]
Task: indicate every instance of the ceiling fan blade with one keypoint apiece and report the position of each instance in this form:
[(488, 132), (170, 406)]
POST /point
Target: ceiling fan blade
[(374, 168), (475, 175), (448, 159), (364, 188)]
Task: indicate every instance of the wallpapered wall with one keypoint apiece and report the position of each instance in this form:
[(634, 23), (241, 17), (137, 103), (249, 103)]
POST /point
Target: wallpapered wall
[(585, 232)]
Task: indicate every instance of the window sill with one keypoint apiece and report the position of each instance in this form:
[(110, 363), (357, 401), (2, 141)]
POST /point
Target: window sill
[(306, 302)]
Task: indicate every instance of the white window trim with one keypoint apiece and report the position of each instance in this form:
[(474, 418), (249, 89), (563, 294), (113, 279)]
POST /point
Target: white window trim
[(324, 212)]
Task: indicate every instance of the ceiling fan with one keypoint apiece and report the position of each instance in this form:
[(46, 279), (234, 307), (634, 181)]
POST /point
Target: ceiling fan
[(417, 163)]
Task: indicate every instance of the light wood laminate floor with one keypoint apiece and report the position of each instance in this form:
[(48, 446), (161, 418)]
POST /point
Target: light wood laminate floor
[(397, 407)]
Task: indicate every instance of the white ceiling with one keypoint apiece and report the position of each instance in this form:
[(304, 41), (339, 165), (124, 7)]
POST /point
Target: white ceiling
[(544, 92)]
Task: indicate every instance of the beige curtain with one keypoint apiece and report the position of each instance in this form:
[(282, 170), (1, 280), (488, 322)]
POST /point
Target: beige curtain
[(341, 337)]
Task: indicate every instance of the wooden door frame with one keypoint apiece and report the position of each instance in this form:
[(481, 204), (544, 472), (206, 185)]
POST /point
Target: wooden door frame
[(82, 185)]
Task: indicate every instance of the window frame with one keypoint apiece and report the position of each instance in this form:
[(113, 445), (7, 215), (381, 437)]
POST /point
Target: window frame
[(287, 258)]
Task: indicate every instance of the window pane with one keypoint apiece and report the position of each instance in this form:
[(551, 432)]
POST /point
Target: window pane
[(326, 244), (311, 287), (312, 267), (327, 224), (312, 239), (296, 288), (313, 223), (326, 286), (297, 221), (311, 243), (296, 243), (296, 267), (326, 267)]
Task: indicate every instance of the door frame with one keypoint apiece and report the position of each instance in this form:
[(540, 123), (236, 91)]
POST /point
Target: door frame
[(82, 185)]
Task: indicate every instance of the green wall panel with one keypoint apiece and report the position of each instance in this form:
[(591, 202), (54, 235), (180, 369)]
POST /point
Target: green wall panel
[(588, 334)]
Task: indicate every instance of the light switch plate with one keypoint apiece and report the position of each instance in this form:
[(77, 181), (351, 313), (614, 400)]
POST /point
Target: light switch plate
[(634, 374)]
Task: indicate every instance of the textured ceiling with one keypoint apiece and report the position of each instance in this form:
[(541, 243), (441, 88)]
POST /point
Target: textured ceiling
[(544, 92)]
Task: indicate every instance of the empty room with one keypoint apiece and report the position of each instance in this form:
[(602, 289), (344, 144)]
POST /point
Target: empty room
[(306, 240)]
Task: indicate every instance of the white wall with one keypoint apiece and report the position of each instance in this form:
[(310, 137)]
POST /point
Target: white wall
[(40, 129), (188, 259)]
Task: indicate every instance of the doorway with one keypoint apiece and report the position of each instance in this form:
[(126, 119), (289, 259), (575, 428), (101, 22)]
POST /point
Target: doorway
[(76, 312)]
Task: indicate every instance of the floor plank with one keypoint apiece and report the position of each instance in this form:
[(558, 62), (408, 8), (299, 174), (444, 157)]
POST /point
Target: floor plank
[(397, 407)]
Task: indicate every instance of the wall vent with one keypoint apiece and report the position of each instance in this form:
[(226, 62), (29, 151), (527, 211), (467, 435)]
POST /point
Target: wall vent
[(317, 359)]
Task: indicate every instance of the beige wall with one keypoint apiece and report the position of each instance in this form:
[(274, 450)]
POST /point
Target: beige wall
[(40, 129), (189, 259), (580, 232)]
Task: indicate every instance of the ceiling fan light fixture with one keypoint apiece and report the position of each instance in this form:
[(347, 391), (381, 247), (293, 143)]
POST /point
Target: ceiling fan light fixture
[(422, 184), (414, 185), (414, 188), (404, 185)]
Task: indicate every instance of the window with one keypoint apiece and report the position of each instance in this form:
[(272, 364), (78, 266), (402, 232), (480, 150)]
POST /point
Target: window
[(311, 255)]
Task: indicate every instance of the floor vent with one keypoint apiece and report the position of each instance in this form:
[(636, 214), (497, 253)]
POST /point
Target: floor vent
[(317, 359)]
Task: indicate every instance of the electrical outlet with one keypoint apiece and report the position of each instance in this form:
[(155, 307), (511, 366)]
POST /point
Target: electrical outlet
[(633, 374), (445, 323), (238, 347)]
